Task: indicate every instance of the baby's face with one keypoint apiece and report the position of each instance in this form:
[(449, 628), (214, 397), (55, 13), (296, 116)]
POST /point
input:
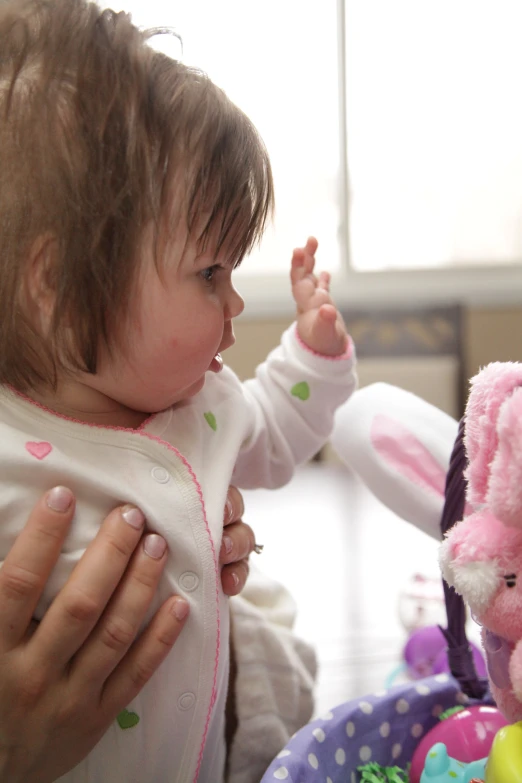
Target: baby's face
[(180, 318)]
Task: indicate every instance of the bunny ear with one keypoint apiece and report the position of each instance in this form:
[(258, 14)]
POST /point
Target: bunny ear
[(400, 447), (489, 390), (504, 494)]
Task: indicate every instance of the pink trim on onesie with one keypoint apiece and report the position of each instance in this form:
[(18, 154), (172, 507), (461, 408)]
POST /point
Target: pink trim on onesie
[(216, 572), (140, 431), (79, 421), (343, 357)]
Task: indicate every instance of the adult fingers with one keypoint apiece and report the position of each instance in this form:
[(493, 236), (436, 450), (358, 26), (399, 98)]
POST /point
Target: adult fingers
[(145, 655), (28, 565), (237, 544), (78, 606), (119, 625), (234, 506), (234, 576)]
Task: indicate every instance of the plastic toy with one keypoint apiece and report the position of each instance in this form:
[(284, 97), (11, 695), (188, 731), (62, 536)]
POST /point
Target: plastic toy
[(505, 759), (425, 654), (482, 555), (441, 768), (421, 603), (375, 773), (467, 735)]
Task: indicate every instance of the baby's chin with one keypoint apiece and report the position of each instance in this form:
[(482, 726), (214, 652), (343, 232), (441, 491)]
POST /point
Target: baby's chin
[(194, 389), (184, 394)]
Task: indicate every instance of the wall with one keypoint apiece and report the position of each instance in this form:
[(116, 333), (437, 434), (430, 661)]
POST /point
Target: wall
[(488, 335), (492, 335)]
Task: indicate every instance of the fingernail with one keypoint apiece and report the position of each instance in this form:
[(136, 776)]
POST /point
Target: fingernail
[(133, 516), (228, 544), (229, 511), (235, 579), (155, 546), (179, 608), (60, 499)]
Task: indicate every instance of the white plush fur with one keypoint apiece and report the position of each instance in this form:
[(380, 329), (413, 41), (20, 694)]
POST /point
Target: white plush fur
[(476, 581)]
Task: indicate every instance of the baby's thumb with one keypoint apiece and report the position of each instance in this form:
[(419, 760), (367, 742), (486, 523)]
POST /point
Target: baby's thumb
[(325, 333)]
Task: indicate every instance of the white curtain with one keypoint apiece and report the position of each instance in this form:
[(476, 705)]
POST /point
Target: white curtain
[(434, 132)]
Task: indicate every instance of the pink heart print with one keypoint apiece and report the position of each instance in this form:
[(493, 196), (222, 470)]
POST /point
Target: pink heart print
[(40, 449)]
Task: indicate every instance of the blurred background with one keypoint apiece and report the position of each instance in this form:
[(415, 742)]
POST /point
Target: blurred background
[(395, 134)]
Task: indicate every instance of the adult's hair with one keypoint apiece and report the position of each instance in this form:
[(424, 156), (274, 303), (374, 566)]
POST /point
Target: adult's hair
[(100, 136)]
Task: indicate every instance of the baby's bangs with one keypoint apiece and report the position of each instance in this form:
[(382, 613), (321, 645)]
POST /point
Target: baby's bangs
[(233, 188)]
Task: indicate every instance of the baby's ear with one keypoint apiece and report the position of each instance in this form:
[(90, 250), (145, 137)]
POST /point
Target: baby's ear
[(39, 285), (489, 390), (504, 494)]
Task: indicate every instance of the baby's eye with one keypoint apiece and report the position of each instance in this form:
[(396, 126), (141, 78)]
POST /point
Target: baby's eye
[(511, 580), (209, 273)]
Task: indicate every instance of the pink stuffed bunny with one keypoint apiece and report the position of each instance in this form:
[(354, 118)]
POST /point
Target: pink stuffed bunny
[(481, 557)]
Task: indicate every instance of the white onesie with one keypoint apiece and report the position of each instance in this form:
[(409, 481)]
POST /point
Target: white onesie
[(177, 468)]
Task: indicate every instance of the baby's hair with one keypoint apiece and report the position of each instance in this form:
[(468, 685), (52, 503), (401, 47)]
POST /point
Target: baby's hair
[(100, 135)]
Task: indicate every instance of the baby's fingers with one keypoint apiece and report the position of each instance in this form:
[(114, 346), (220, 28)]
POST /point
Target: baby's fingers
[(328, 335), (303, 261), (298, 270), (327, 316), (311, 246), (303, 292), (324, 281)]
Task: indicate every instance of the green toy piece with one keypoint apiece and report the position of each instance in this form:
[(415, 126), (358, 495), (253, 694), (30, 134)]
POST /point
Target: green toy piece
[(374, 773)]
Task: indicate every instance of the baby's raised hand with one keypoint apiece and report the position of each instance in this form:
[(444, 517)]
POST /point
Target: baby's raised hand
[(319, 323)]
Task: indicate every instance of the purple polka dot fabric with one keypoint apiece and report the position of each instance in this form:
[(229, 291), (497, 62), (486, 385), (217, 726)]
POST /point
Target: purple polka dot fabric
[(383, 727)]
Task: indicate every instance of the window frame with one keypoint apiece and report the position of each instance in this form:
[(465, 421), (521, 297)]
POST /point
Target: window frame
[(480, 285)]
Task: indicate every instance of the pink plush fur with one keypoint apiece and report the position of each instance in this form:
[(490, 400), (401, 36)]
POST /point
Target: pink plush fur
[(475, 557), (482, 555), (504, 495), (482, 559), (489, 390), (482, 536)]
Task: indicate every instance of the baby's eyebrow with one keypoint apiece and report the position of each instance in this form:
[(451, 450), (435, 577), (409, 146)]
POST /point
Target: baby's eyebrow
[(211, 260)]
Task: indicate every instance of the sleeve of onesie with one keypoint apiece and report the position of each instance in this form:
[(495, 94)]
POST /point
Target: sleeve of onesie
[(291, 404)]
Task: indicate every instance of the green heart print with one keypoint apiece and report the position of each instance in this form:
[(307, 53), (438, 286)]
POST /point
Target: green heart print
[(211, 420), (301, 391), (127, 720)]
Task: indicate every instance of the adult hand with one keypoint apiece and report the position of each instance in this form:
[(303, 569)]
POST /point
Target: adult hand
[(63, 684), (237, 544)]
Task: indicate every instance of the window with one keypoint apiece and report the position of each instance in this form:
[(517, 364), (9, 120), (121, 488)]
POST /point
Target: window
[(434, 132), (394, 130)]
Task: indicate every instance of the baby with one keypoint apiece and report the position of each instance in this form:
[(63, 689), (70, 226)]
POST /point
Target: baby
[(130, 189)]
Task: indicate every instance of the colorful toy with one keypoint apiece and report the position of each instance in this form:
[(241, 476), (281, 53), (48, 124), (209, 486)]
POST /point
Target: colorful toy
[(482, 555), (467, 735), (403, 455), (441, 768), (425, 654), (505, 759), (421, 603), (375, 773)]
